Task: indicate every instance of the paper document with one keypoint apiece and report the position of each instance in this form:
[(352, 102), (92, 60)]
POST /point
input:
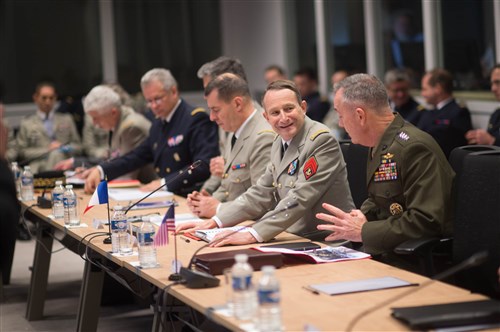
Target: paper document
[(323, 255), (180, 218), (209, 234), (134, 194), (360, 285)]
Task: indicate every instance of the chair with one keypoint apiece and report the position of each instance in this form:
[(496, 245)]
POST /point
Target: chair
[(356, 157), (426, 249)]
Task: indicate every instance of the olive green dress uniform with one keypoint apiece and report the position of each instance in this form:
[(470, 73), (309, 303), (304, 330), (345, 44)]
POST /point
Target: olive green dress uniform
[(311, 172), (33, 141), (247, 160), (409, 189)]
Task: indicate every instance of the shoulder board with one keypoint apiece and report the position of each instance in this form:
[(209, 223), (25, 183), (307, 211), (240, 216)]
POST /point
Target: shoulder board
[(197, 110), (319, 132), (420, 108), (266, 131), (127, 124)]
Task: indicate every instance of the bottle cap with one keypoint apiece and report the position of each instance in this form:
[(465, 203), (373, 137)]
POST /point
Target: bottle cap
[(268, 269), (118, 208), (69, 186), (241, 258), (58, 182)]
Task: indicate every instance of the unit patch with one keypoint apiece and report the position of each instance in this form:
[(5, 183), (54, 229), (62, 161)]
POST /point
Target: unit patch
[(310, 167)]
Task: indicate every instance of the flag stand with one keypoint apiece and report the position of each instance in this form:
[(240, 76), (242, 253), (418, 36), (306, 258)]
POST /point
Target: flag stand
[(108, 239), (175, 276)]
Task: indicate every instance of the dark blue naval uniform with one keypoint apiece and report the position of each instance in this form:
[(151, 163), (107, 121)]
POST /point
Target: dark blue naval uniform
[(494, 127), (447, 125), (316, 107), (410, 111), (188, 137)]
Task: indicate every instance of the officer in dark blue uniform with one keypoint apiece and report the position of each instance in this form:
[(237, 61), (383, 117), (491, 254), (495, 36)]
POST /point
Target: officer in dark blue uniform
[(180, 135), (448, 122)]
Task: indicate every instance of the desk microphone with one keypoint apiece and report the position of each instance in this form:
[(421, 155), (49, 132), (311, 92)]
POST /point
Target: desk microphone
[(188, 169), (197, 279), (474, 260)]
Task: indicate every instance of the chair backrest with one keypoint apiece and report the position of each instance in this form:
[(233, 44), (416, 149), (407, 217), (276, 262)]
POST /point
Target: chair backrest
[(477, 220), (356, 157)]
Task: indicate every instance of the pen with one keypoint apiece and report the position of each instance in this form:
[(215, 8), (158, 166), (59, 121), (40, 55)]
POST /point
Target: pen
[(311, 290), (185, 239)]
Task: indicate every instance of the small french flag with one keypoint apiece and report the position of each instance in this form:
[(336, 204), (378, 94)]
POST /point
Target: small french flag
[(100, 196)]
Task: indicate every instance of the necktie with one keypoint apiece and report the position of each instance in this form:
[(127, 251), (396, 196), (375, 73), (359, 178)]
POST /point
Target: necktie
[(283, 149), (47, 123), (233, 140)]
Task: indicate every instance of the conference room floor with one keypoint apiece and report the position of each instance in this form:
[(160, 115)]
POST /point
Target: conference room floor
[(65, 278)]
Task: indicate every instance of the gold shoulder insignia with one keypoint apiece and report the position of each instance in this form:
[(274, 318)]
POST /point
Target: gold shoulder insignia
[(319, 132), (420, 108), (266, 131), (196, 111)]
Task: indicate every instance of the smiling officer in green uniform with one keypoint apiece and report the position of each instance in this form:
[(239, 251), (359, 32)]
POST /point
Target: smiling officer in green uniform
[(409, 178)]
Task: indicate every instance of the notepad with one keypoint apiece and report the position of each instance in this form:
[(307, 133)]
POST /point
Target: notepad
[(363, 285), (209, 234), (133, 194)]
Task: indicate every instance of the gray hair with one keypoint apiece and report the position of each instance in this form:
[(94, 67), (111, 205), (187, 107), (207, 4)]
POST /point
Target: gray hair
[(396, 75), (101, 99), (162, 75), (221, 65), (363, 90)]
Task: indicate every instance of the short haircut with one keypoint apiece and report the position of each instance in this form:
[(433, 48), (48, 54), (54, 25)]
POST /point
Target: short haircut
[(221, 65), (101, 99), (228, 86), (280, 70), (442, 77), (282, 85), (363, 90), (308, 72), (43, 84), (162, 75), (396, 75)]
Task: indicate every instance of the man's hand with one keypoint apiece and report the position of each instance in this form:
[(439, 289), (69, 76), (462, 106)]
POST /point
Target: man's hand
[(202, 204), (64, 165), (151, 186), (54, 145), (237, 239), (479, 136), (217, 166), (191, 227), (92, 181), (346, 226)]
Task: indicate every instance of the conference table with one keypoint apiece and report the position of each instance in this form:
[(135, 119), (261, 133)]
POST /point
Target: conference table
[(301, 309)]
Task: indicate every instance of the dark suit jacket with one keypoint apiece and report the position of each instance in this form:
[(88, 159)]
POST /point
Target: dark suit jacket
[(189, 136), (494, 126), (316, 107)]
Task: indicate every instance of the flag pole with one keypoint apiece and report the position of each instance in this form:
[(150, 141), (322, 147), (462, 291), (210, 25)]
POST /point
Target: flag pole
[(108, 239), (175, 276)]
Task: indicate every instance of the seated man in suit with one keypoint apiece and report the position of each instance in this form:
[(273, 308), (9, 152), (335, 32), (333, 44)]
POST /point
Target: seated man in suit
[(306, 167), (179, 136), (46, 137), (491, 136), (448, 122), (246, 157), (409, 178)]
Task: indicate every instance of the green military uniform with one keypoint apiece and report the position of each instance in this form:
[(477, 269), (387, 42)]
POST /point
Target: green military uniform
[(247, 160), (311, 172), (409, 189), (33, 141)]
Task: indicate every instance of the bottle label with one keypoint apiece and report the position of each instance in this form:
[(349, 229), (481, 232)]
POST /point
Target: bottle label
[(118, 224), (69, 202), (26, 180), (145, 237), (268, 296), (57, 197), (242, 283)]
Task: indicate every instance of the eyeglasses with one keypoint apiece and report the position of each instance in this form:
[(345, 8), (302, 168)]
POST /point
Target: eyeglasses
[(155, 101)]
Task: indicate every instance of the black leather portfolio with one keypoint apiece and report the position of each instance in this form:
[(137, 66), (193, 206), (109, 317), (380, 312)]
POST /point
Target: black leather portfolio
[(450, 314)]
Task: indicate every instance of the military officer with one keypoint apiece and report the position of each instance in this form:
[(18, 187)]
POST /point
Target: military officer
[(230, 103), (46, 137), (448, 122), (306, 167), (179, 136), (409, 178)]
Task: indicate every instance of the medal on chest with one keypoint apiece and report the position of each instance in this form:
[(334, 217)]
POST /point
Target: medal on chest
[(387, 170)]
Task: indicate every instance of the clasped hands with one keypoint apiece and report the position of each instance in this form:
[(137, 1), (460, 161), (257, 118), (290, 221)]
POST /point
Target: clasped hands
[(202, 204)]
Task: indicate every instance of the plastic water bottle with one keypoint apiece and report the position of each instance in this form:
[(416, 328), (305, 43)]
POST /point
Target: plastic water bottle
[(27, 189), (117, 218), (147, 250), (16, 171), (269, 300), (70, 203), (244, 296), (57, 200)]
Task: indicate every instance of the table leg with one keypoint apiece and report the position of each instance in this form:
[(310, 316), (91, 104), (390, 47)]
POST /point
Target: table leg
[(90, 298)]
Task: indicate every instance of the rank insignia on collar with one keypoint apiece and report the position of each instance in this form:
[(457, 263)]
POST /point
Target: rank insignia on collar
[(238, 166), (292, 168), (404, 136), (395, 209), (310, 167), (175, 140)]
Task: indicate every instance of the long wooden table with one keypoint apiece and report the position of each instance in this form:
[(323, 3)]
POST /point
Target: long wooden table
[(299, 306)]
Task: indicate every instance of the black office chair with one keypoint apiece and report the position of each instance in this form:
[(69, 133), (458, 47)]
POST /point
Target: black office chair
[(427, 249), (355, 157)]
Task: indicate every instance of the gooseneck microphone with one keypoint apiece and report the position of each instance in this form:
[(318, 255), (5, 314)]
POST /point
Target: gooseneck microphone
[(188, 169), (475, 260), (197, 279)]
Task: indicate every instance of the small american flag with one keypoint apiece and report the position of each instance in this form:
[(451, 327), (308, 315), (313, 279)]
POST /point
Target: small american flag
[(167, 224)]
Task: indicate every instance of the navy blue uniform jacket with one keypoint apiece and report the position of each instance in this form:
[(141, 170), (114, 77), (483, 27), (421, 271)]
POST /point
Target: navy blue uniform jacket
[(188, 137)]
